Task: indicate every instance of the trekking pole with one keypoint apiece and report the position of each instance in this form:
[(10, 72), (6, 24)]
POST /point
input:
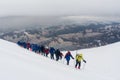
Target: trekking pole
[(76, 51), (63, 60), (74, 62), (75, 59), (83, 65)]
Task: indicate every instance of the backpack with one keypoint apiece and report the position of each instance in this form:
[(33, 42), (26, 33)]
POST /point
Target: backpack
[(78, 57)]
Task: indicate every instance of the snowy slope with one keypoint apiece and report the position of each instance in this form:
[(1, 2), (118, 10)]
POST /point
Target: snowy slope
[(17, 63)]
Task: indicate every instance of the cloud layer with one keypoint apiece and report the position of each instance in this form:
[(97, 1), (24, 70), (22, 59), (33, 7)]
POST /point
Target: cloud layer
[(59, 7)]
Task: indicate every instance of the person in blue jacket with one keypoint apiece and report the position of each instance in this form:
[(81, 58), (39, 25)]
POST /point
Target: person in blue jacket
[(67, 57), (52, 52)]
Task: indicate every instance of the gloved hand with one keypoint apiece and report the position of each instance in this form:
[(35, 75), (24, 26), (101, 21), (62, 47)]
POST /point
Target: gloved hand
[(84, 61)]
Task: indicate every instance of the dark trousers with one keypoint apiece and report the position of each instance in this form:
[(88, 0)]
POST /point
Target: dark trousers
[(57, 57), (78, 63), (68, 62), (46, 54), (52, 56)]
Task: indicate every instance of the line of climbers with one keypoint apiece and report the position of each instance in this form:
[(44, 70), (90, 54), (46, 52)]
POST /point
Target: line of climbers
[(45, 51)]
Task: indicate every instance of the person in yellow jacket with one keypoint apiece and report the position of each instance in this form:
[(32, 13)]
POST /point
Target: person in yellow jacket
[(79, 58)]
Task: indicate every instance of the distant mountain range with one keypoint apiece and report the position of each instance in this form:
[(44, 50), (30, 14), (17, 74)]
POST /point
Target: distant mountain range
[(66, 32)]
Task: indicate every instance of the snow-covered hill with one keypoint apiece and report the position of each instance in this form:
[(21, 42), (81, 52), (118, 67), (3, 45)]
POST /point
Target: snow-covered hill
[(17, 63)]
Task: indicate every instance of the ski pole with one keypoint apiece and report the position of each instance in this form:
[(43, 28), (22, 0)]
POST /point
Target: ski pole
[(84, 65)]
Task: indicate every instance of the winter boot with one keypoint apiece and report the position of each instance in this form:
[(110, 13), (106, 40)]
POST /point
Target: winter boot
[(79, 67)]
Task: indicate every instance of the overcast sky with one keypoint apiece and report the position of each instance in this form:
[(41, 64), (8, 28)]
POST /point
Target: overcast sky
[(59, 7)]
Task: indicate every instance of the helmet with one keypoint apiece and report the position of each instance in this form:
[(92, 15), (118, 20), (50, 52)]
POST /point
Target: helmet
[(46, 47), (81, 54), (68, 52)]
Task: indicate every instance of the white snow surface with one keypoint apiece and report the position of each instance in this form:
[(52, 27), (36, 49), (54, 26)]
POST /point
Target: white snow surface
[(17, 63)]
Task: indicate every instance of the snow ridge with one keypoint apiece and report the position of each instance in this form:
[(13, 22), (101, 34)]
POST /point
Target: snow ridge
[(17, 63)]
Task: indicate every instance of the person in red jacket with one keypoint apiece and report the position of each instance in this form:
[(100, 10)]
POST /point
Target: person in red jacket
[(61, 55), (28, 45), (46, 51)]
